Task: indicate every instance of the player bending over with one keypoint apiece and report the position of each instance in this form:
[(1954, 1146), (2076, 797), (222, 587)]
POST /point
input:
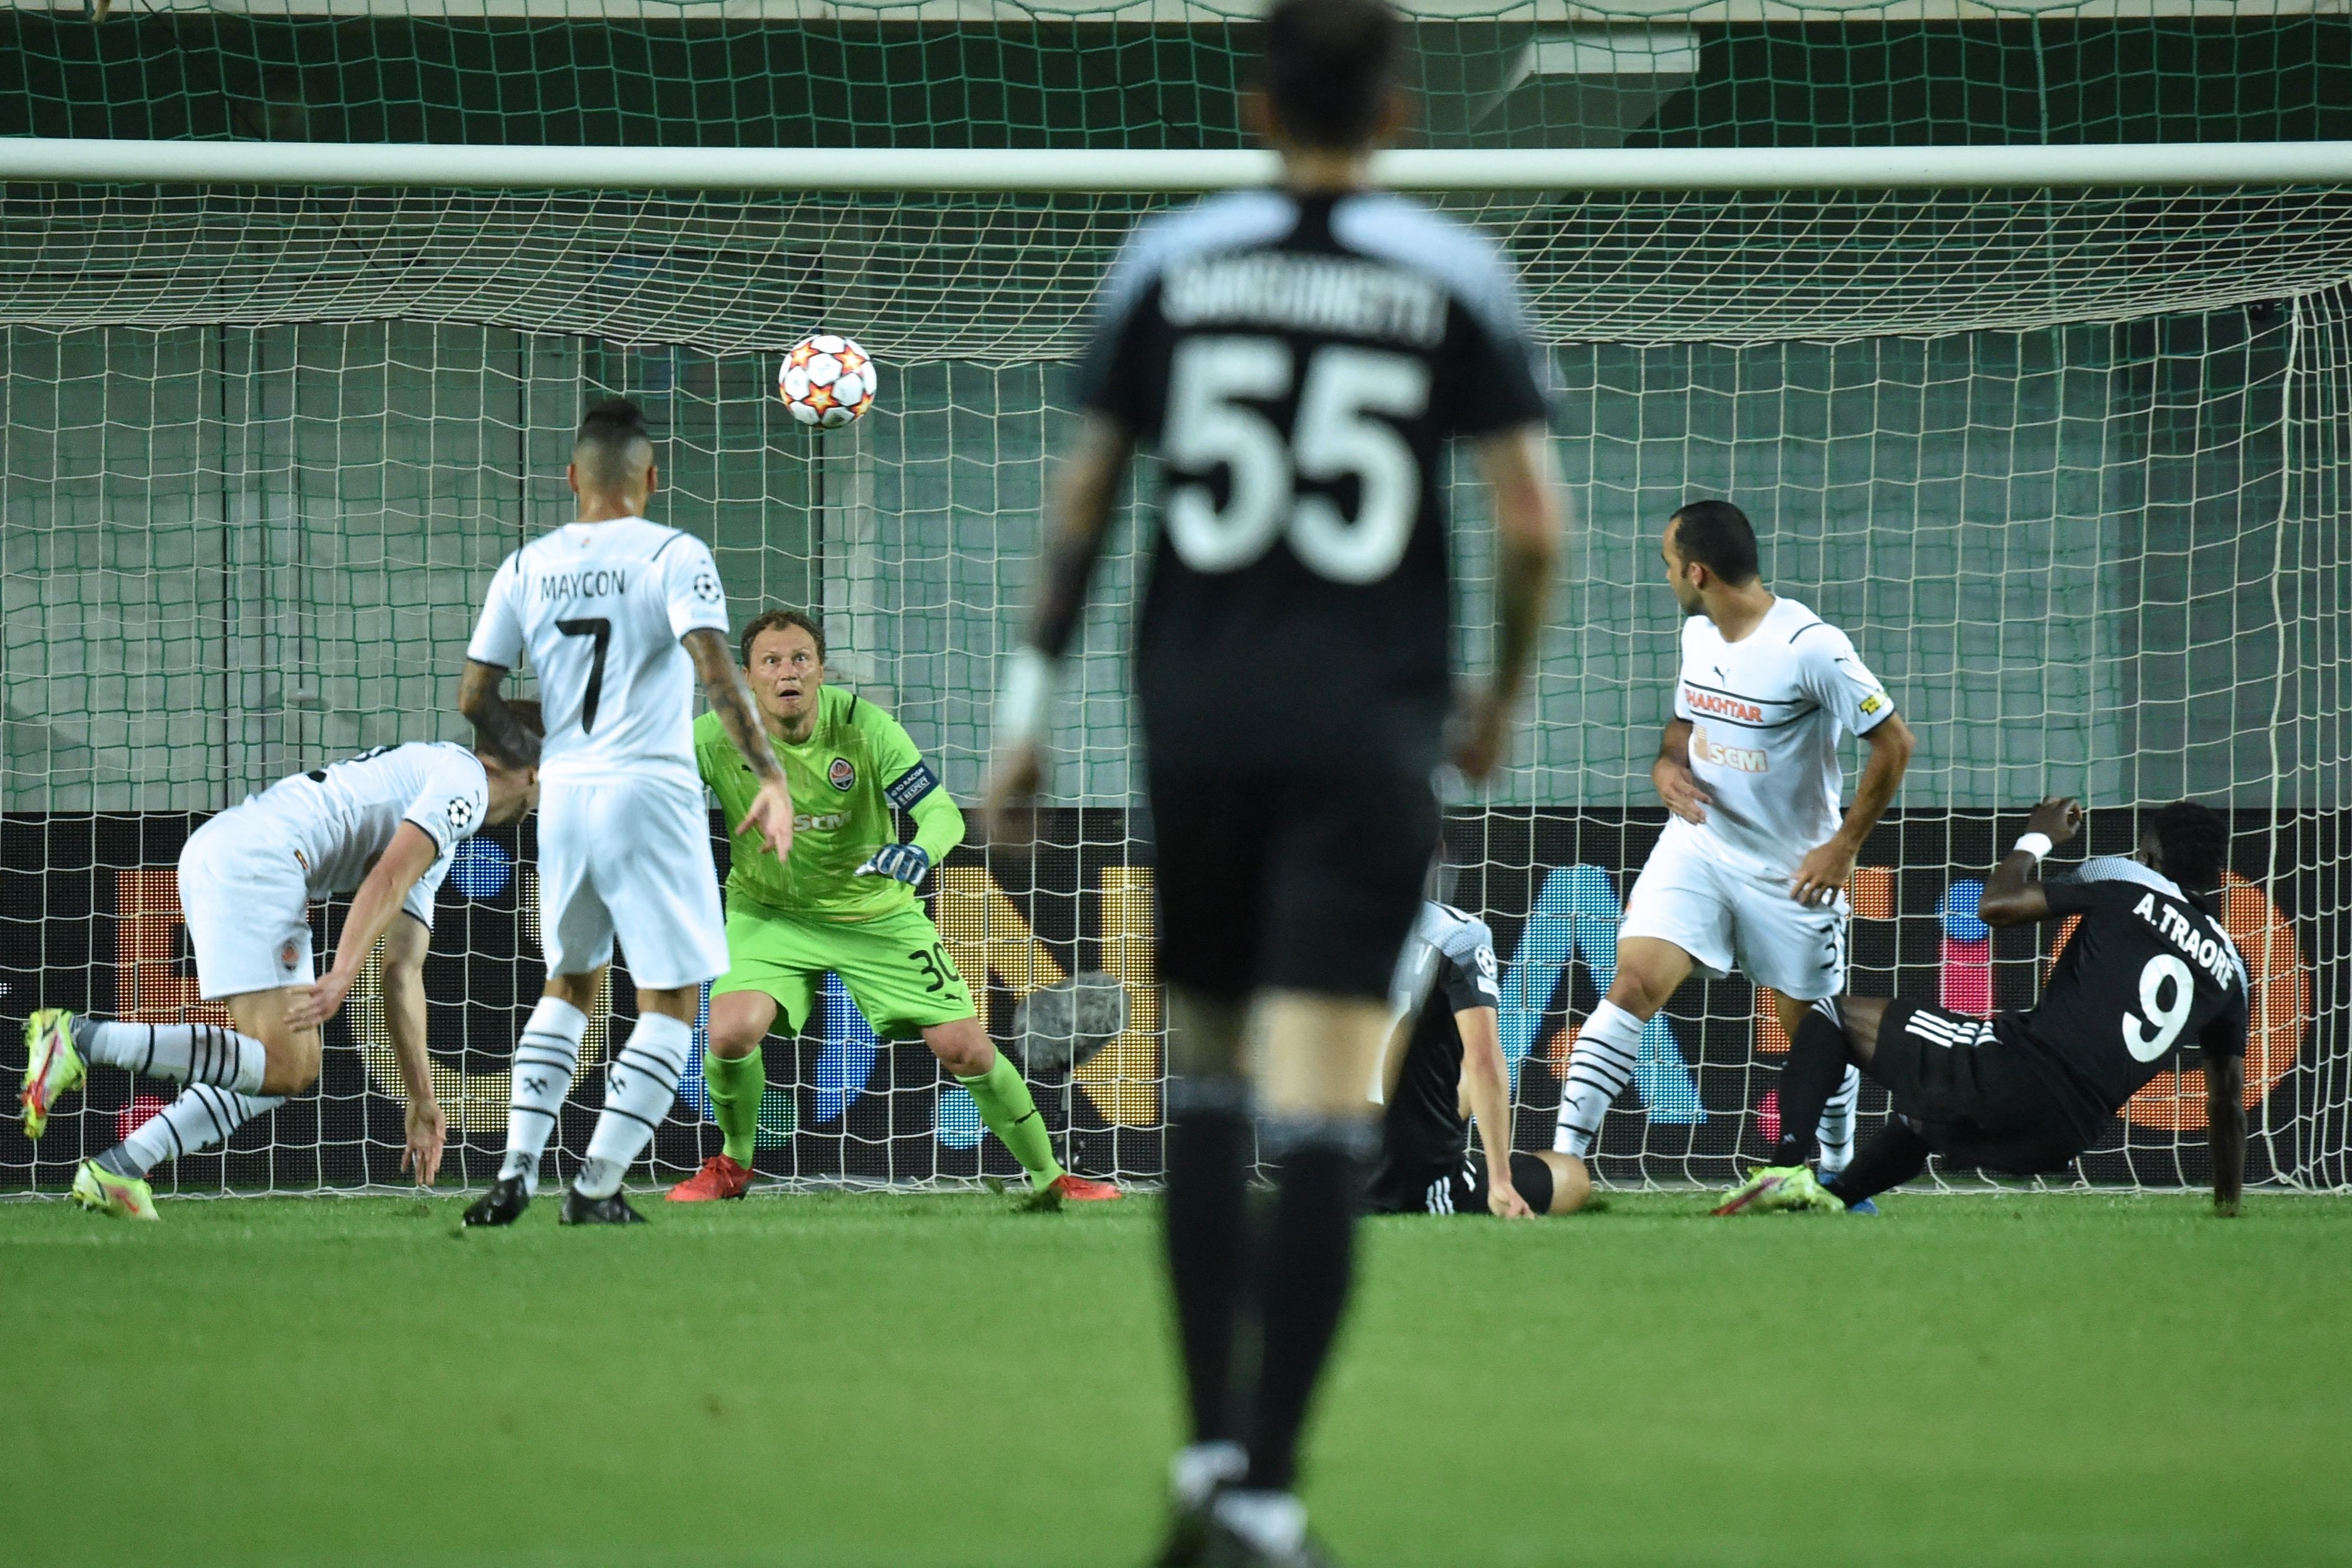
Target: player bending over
[(1454, 1071), (1751, 871), (383, 822), (843, 901), (1300, 358), (2148, 967), (619, 616)]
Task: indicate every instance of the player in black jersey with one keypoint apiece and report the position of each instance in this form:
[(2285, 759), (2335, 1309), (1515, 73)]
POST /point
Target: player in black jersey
[(1448, 1007), (1297, 358), (2147, 969)]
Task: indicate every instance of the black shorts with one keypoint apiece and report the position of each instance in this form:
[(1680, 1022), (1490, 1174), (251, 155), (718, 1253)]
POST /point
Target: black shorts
[(1288, 879), (1973, 1092), (1460, 1187)]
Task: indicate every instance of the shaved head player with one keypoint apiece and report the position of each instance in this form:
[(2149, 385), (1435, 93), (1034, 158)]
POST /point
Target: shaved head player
[(1299, 357)]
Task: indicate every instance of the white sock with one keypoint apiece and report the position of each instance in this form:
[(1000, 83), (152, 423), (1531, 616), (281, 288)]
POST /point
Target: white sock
[(639, 1088), (1200, 1468), (201, 1117), (1598, 1071), (1273, 1522), (189, 1053), (544, 1060), (1836, 1129)]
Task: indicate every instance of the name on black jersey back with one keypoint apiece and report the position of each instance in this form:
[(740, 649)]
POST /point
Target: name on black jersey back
[(1306, 293), (2200, 948)]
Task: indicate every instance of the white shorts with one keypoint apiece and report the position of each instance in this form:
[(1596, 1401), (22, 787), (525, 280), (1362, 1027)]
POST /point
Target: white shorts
[(632, 860), (1730, 914), (247, 904)]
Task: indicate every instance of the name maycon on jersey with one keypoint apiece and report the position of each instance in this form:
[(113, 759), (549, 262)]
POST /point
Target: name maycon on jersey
[(592, 583)]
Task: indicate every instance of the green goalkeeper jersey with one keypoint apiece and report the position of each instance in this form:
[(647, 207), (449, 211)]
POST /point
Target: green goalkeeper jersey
[(857, 765)]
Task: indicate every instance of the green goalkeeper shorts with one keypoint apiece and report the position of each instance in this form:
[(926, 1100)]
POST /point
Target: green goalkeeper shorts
[(895, 967)]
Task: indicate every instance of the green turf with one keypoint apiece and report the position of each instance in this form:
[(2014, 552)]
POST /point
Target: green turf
[(926, 1383)]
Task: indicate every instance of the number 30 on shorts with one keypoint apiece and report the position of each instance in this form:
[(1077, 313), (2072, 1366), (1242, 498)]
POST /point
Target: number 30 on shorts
[(939, 970)]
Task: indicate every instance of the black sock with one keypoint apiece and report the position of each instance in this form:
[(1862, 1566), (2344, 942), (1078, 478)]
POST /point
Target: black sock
[(1303, 1279), (1815, 1067), (1208, 1226), (1889, 1160)]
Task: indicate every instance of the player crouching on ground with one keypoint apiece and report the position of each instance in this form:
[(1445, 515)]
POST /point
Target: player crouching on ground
[(1453, 1071), (2148, 967), (384, 823), (843, 901)]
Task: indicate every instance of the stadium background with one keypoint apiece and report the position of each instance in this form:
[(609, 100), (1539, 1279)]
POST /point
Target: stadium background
[(2100, 559)]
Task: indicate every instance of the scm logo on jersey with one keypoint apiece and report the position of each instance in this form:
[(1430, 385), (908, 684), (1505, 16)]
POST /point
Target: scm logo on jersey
[(843, 775)]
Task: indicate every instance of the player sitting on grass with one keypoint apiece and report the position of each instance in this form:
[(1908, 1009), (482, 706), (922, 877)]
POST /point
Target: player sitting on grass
[(2148, 967), (1448, 1012), (384, 823), (843, 901)]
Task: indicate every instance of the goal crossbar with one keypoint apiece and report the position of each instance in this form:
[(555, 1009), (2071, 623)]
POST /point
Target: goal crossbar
[(2173, 165)]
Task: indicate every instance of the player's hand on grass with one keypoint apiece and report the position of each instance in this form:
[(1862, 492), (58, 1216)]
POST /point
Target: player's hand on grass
[(314, 1005), (1822, 874), (428, 1130), (1482, 733), (1014, 781), (2059, 818), (1679, 788), (1504, 1202), (771, 816), (908, 863)]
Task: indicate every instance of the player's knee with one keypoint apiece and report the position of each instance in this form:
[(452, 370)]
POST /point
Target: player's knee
[(963, 1048), (578, 990), (1571, 1183), (293, 1063)]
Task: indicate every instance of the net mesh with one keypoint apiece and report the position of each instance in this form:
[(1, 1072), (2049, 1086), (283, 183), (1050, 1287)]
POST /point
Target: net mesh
[(2072, 471)]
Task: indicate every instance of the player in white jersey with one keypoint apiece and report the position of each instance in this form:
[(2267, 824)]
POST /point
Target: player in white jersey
[(1751, 871), (618, 616), (384, 824)]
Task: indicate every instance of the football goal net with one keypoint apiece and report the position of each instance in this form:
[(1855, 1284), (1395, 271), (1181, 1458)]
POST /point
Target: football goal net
[(2062, 435)]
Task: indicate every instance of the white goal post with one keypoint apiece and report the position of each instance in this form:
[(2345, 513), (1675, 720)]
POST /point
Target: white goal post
[(2150, 166), (2062, 434)]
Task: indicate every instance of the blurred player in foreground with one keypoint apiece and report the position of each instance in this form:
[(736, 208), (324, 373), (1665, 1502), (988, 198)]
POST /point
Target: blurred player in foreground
[(2148, 967), (843, 901), (1751, 871), (382, 822), (1299, 357), (618, 616), (1449, 1019)]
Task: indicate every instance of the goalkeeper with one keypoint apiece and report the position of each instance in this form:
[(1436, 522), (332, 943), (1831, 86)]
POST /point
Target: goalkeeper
[(843, 900)]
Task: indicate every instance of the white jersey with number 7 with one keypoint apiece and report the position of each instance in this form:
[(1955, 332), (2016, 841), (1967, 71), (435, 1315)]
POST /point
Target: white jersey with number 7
[(599, 609)]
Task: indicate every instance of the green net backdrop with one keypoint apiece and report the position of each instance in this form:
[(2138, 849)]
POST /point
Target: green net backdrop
[(2071, 469)]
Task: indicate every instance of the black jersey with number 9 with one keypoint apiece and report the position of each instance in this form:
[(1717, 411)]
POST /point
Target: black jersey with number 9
[(1298, 364)]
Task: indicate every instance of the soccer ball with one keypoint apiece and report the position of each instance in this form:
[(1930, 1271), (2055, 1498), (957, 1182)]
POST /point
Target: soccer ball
[(827, 381)]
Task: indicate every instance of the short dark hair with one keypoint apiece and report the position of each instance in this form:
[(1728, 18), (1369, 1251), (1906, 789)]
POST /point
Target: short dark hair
[(2195, 840), (787, 616), (606, 442), (527, 713), (1717, 535), (1328, 67)]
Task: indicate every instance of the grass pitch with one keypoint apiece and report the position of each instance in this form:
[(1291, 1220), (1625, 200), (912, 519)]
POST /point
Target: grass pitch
[(838, 1382)]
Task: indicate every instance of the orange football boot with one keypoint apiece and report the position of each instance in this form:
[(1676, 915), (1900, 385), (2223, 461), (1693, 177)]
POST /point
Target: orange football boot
[(719, 1177)]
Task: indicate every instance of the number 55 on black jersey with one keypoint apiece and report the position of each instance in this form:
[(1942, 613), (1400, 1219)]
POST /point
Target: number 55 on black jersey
[(1298, 364)]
